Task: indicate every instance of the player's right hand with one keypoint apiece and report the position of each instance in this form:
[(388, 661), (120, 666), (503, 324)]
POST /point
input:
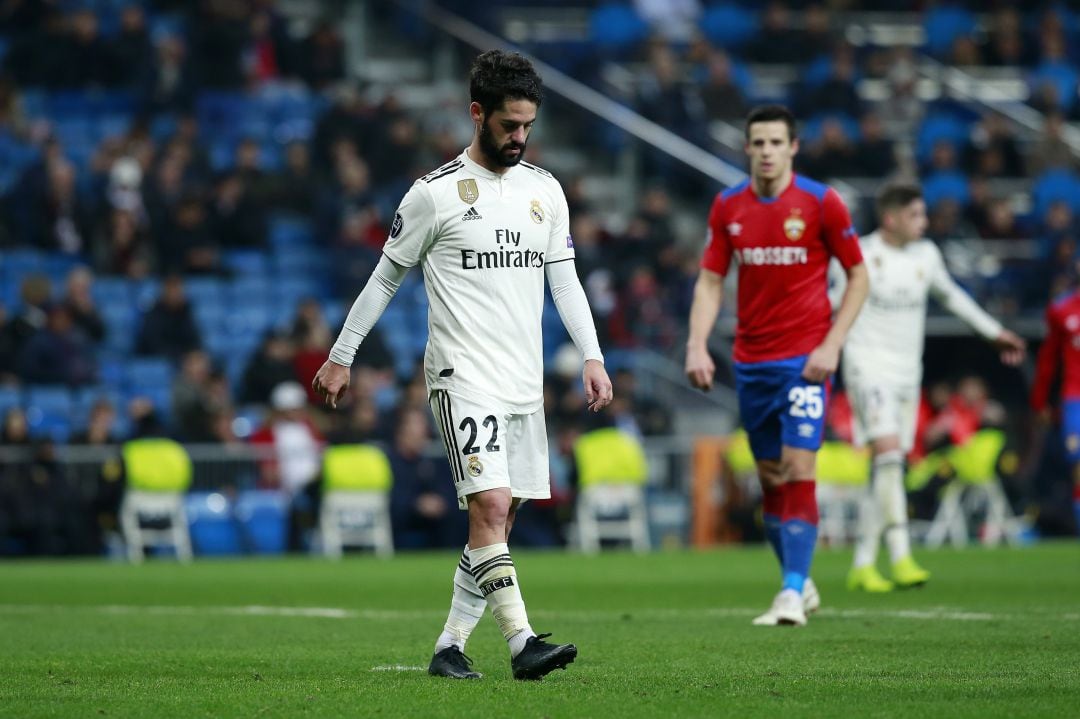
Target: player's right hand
[(700, 368), (331, 381)]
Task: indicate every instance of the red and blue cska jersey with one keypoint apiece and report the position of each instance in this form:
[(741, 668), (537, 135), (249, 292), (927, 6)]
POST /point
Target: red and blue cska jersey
[(782, 246), (1060, 349)]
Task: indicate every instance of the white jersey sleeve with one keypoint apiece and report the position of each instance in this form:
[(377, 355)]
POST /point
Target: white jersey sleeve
[(560, 244), (944, 289), (414, 228)]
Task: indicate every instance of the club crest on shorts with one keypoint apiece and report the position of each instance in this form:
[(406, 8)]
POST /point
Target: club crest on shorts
[(535, 212), (475, 466), (468, 191), (794, 226)]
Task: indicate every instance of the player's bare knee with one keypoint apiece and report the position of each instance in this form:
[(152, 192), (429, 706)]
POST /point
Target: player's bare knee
[(796, 464), (490, 510), (769, 474)]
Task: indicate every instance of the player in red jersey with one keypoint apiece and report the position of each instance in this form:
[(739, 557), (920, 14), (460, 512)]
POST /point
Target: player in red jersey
[(1060, 351), (781, 229)]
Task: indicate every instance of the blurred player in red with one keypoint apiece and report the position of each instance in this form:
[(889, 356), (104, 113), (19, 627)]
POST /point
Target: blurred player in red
[(1060, 352), (781, 229)]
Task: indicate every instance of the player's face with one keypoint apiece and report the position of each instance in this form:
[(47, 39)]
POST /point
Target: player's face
[(505, 132), (909, 222), (770, 149)]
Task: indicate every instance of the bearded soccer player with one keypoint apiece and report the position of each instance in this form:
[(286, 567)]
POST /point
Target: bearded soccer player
[(486, 228), (882, 371), (1060, 354), (781, 230)]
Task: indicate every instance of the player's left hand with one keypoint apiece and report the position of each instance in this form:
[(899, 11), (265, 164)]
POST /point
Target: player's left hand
[(1011, 346), (598, 391), (821, 363)]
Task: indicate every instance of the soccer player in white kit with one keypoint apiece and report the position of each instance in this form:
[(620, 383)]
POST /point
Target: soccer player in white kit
[(882, 370), (486, 229)]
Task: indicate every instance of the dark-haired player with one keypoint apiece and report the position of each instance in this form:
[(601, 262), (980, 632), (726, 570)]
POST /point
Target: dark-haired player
[(486, 228), (781, 230)]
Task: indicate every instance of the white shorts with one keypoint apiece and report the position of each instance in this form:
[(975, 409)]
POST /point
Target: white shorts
[(884, 410), (489, 448)]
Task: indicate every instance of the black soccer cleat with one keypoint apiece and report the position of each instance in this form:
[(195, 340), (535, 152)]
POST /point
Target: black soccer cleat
[(539, 658), (451, 662)]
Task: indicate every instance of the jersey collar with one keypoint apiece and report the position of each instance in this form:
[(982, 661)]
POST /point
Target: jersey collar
[(478, 169)]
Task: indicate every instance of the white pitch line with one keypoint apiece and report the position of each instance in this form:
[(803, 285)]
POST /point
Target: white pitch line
[(954, 614), (398, 668)]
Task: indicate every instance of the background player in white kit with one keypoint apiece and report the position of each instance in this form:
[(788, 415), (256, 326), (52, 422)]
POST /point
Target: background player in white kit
[(486, 228), (882, 370)]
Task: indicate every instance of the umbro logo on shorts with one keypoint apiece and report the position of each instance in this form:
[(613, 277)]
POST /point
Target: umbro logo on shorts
[(472, 214)]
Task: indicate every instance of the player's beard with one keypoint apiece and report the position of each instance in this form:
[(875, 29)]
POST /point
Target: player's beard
[(499, 155)]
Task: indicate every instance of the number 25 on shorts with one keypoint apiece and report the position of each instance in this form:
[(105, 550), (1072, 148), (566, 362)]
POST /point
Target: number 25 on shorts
[(806, 402)]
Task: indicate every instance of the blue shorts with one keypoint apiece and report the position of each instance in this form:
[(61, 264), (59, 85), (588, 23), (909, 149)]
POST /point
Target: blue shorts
[(780, 407), (1070, 429)]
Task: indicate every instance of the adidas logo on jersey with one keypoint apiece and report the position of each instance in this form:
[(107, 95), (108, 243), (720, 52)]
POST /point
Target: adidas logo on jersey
[(472, 214)]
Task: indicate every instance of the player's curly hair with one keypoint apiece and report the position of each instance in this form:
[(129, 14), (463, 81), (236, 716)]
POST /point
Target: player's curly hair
[(497, 76)]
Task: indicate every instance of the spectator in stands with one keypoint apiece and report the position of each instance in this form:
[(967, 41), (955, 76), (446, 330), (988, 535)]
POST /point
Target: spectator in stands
[(218, 35), (131, 47), (63, 221), (266, 55), (269, 366), (168, 84), (722, 98), (82, 58), (58, 354), (7, 353), (663, 97), (351, 119), (237, 219), (1059, 230), (33, 500), (947, 222), (34, 294), (169, 328), (965, 52), (194, 402), (145, 419), (992, 149), (875, 154), (312, 338), (79, 302), (902, 105), (187, 241), (123, 248), (100, 425), (838, 93), (321, 56), (1005, 44), (1051, 151), (1001, 223), (818, 36), (423, 505), (394, 157), (294, 460), (777, 42), (364, 424), (636, 414), (295, 188), (834, 154)]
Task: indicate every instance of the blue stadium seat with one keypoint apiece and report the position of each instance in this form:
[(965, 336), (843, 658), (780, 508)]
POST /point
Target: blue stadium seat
[(120, 325), (812, 128), (287, 231), (210, 317), (263, 517), (112, 291), (214, 531), (249, 316), (159, 395), (249, 290), (729, 25), (9, 397), (112, 371), (1062, 76), (943, 24), (204, 290), (300, 259), (49, 411), (946, 186), (149, 372), (247, 263), (615, 28), (1056, 186), (84, 399), (940, 127)]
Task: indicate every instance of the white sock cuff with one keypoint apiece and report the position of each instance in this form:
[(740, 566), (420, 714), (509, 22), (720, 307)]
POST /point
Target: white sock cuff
[(891, 456)]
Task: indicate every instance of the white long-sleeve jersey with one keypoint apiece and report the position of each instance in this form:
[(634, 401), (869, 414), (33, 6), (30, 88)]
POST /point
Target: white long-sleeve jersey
[(885, 344)]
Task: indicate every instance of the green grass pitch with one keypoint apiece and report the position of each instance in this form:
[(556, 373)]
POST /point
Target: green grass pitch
[(995, 634)]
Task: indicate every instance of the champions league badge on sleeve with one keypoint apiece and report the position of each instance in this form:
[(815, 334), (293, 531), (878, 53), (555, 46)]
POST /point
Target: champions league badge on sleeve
[(569, 242), (398, 226)]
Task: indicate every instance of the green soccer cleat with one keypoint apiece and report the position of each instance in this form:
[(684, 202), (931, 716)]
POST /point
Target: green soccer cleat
[(868, 579), (906, 573)]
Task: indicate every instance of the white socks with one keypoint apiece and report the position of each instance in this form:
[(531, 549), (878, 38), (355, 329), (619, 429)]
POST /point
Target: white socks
[(883, 508), (892, 502), (466, 607), (495, 577)]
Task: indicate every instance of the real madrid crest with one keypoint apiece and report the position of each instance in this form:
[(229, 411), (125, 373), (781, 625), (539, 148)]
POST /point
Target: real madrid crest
[(475, 467), (794, 226), (468, 191), (535, 212)]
